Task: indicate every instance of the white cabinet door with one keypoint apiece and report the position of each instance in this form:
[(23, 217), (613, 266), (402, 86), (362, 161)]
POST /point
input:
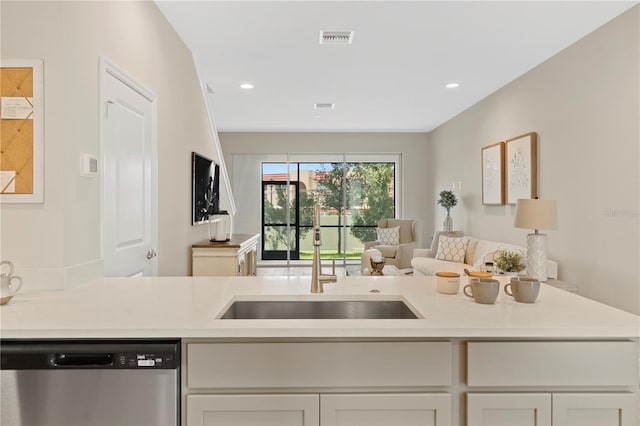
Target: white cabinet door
[(504, 409), (385, 409), (594, 409), (253, 410)]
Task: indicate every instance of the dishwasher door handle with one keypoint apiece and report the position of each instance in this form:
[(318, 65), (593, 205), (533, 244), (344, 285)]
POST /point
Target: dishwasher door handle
[(81, 360)]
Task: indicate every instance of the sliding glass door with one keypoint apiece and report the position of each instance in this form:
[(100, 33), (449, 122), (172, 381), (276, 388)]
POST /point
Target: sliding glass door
[(353, 196), (280, 237)]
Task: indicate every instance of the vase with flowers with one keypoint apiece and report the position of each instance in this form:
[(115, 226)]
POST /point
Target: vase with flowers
[(447, 200), (509, 262)]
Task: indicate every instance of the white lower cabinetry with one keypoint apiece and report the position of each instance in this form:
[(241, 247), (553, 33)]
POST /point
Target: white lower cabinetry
[(409, 382), (551, 409), (522, 409), (319, 410), (422, 409), (595, 409), (252, 410), (328, 383), (568, 378)]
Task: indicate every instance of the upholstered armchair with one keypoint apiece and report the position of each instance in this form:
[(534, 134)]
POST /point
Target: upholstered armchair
[(400, 252)]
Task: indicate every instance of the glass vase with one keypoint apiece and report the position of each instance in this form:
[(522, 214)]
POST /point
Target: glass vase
[(447, 223)]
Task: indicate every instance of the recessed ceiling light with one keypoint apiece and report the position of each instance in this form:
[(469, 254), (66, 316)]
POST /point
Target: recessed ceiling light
[(246, 86), (452, 85)]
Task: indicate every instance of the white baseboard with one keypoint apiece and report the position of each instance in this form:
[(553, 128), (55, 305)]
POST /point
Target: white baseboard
[(83, 273), (40, 278)]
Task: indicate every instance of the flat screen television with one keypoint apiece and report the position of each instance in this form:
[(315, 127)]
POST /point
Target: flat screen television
[(205, 187)]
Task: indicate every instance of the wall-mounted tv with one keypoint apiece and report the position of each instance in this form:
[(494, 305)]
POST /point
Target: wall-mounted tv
[(205, 187)]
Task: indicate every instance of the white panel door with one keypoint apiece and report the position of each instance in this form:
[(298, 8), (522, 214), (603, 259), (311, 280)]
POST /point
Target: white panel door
[(385, 409), (129, 173), (504, 409), (253, 410), (594, 409)]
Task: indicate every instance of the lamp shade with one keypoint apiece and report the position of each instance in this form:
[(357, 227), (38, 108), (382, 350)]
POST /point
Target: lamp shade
[(536, 214)]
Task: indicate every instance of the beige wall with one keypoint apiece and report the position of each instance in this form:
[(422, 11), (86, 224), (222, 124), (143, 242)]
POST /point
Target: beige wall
[(416, 193), (58, 243), (584, 105)]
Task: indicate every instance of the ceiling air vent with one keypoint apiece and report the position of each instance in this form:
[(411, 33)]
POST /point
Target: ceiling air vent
[(336, 37), (323, 106)]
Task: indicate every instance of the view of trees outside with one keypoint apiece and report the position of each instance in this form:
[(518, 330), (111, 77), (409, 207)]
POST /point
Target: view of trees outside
[(275, 213), (355, 194)]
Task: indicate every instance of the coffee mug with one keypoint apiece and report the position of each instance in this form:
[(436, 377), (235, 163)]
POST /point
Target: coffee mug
[(523, 289), (9, 284), (483, 290), (448, 282)]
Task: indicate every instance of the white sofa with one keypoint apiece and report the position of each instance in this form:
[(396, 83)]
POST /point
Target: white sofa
[(424, 261)]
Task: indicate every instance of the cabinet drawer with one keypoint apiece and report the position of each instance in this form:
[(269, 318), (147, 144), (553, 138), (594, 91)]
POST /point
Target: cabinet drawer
[(263, 410), (424, 409), (318, 364), (552, 363)]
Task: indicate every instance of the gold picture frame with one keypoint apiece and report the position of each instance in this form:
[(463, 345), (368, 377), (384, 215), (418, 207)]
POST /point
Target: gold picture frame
[(493, 174), (21, 135), (521, 166)]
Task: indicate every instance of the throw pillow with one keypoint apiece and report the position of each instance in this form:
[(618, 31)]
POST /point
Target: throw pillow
[(389, 236), (452, 249), (471, 251)]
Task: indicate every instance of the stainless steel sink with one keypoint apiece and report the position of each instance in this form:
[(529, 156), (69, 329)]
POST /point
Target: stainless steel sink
[(326, 309)]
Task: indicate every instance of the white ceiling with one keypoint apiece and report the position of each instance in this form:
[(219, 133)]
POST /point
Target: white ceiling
[(391, 78)]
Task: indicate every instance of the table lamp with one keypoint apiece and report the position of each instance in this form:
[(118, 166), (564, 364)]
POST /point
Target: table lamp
[(536, 214)]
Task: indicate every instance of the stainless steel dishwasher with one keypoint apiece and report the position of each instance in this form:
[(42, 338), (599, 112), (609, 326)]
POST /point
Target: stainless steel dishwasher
[(90, 383)]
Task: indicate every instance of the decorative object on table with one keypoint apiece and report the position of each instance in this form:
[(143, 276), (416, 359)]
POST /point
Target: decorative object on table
[(523, 289), (482, 290), (521, 167), (447, 200), (21, 168), (478, 274), (448, 282), (489, 267), (509, 261), (536, 214), (365, 260), (7, 287), (219, 225), (377, 264), (493, 174)]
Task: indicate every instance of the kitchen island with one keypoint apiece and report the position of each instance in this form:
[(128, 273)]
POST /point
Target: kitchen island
[(562, 360)]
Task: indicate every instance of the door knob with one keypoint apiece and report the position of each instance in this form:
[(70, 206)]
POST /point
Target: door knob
[(151, 254)]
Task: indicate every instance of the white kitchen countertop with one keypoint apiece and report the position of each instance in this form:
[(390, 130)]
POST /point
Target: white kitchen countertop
[(188, 306)]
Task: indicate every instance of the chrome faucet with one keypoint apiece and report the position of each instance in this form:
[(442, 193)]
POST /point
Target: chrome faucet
[(317, 277)]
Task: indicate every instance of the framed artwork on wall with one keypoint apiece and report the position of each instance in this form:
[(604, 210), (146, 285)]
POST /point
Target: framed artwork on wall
[(493, 174), (205, 188), (21, 140), (521, 167)]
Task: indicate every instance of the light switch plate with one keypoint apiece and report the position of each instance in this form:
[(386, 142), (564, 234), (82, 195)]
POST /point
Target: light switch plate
[(88, 165)]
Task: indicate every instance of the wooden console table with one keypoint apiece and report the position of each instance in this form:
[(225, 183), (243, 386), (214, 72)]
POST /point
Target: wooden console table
[(236, 257)]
